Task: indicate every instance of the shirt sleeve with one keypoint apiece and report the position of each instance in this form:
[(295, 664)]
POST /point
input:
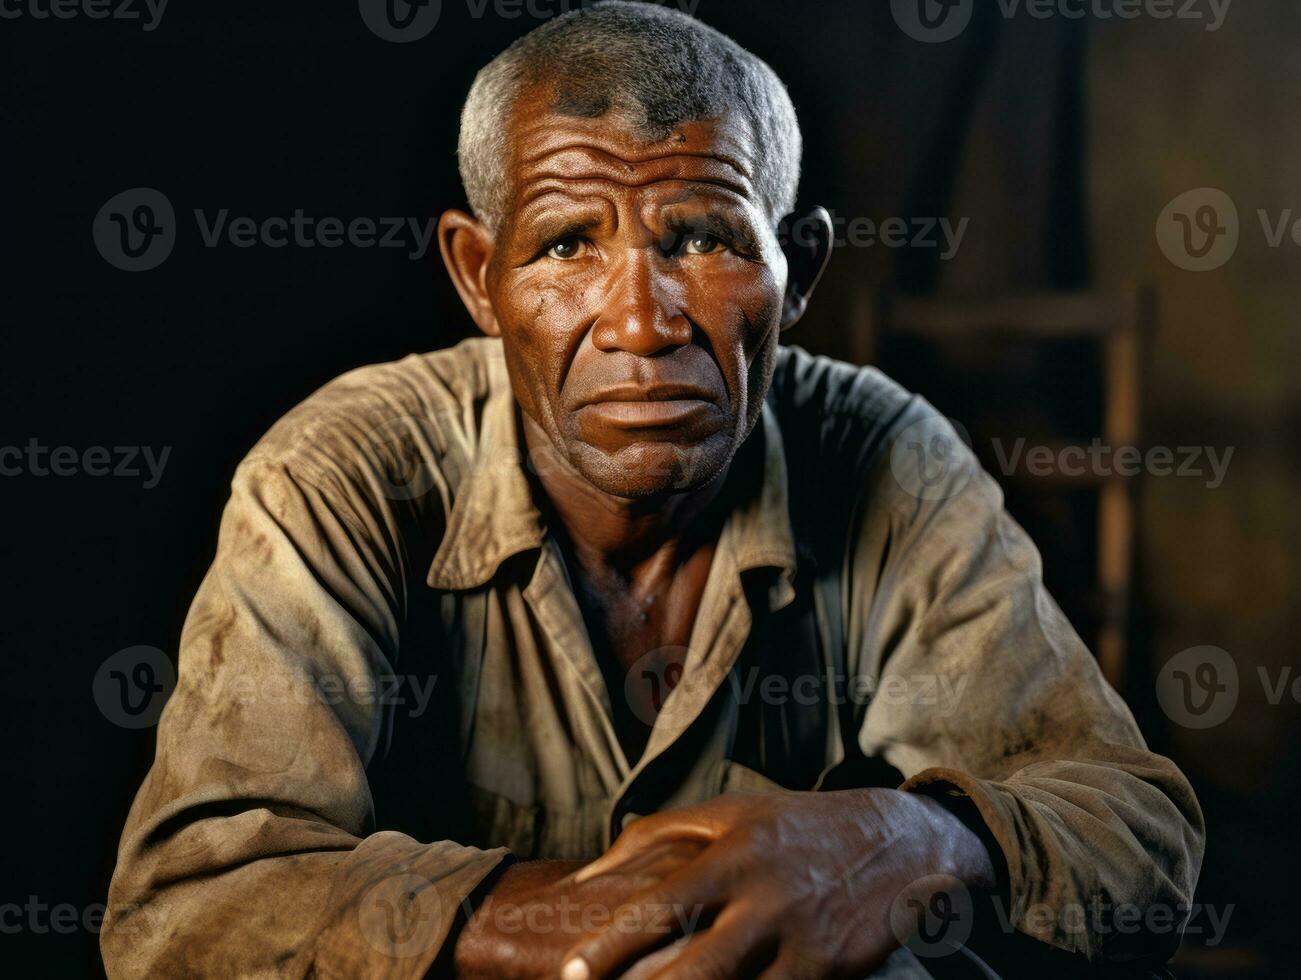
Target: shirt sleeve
[(982, 690), (252, 847)]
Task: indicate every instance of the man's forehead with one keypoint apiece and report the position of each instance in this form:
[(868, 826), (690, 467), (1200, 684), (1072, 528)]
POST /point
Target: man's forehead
[(544, 145)]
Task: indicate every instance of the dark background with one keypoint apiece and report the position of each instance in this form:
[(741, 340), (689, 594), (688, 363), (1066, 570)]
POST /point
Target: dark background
[(1060, 140)]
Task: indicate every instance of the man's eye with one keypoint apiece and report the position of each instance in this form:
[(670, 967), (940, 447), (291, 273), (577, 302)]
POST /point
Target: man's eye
[(566, 248), (701, 244)]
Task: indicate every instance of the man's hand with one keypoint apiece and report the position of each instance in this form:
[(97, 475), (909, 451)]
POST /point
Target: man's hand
[(536, 912), (801, 884)]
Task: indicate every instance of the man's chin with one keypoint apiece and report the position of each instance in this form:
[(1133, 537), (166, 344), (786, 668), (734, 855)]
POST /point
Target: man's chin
[(649, 469)]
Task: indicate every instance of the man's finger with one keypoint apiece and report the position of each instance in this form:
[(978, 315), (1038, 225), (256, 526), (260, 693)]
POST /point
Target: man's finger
[(650, 965), (701, 823), (661, 860), (784, 967), (731, 947)]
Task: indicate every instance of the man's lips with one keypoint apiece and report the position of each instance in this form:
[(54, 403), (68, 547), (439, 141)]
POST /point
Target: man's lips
[(649, 415), (631, 392), (649, 406)]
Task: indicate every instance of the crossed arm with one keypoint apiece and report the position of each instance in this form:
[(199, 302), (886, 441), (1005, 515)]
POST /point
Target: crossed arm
[(781, 885)]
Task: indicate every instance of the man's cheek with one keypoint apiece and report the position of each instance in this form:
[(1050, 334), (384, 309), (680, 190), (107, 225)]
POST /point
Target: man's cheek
[(745, 300), (763, 305), (541, 323)]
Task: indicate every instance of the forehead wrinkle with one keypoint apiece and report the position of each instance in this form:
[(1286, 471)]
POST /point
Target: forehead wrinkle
[(531, 196), (698, 186), (651, 155), (699, 190)]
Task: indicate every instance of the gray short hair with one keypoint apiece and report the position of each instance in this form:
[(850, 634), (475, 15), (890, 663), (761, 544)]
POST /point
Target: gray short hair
[(661, 66)]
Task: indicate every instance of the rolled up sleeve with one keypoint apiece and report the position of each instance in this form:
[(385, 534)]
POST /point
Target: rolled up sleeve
[(252, 847), (984, 692)]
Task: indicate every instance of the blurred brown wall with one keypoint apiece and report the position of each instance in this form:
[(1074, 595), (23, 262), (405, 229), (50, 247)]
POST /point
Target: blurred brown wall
[(1174, 109)]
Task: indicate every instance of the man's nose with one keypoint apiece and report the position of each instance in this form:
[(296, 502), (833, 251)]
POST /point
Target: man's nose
[(642, 313)]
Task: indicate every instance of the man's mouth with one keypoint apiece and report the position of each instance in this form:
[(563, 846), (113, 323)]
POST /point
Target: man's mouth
[(648, 414), (650, 406)]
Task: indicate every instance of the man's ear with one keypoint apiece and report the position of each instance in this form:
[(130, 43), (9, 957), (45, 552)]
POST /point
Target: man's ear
[(467, 248), (807, 246)]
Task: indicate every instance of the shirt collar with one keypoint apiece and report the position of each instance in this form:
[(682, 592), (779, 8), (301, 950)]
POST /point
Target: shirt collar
[(494, 515)]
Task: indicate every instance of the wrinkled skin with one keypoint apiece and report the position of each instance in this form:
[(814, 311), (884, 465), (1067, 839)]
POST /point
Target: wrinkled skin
[(793, 885), (639, 290)]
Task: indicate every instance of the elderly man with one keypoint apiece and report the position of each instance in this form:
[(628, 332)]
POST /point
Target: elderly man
[(624, 639)]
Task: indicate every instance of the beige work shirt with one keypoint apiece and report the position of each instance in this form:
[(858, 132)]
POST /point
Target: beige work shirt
[(386, 686)]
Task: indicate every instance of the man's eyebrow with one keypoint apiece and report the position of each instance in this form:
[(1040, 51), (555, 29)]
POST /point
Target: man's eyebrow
[(718, 217), (550, 228)]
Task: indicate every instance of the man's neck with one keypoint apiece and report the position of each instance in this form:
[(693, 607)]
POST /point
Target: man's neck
[(619, 533)]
